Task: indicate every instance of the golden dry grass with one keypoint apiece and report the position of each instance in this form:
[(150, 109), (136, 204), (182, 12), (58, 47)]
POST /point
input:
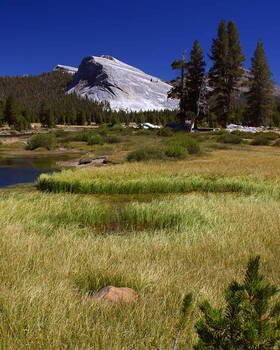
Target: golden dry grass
[(48, 266)]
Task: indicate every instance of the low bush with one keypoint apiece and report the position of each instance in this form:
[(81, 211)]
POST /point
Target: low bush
[(166, 132), (47, 141), (229, 138), (143, 132), (190, 144), (244, 134), (260, 140), (60, 133), (113, 139), (103, 129), (95, 139), (144, 154), (270, 135), (176, 151), (81, 136), (277, 143), (117, 127)]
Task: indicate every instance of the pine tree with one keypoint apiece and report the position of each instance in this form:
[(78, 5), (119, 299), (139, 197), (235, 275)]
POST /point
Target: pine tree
[(235, 64), (81, 118), (1, 113), (260, 96), (194, 79), (46, 116), (10, 111), (225, 74), (248, 322), (179, 90)]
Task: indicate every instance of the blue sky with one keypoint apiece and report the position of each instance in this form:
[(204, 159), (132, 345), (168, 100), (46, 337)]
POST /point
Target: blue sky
[(36, 35)]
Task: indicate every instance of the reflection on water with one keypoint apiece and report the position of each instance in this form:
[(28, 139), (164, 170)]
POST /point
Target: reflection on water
[(23, 170)]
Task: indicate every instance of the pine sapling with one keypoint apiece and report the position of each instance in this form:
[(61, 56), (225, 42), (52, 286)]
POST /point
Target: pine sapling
[(249, 321)]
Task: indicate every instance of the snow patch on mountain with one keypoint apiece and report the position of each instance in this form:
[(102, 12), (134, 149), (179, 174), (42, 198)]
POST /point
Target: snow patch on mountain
[(65, 69)]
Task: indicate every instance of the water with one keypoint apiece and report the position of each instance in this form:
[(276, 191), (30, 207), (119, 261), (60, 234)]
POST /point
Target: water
[(24, 170)]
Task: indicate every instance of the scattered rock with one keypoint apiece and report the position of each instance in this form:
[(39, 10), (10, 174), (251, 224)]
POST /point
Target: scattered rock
[(86, 159), (116, 295)]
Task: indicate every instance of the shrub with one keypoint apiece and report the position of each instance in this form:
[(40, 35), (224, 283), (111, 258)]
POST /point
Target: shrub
[(47, 141), (95, 139), (103, 129), (229, 138), (166, 132), (113, 139), (260, 140), (270, 135), (189, 143), (143, 132), (117, 127), (60, 132), (277, 143), (80, 136), (176, 151), (144, 154), (244, 134)]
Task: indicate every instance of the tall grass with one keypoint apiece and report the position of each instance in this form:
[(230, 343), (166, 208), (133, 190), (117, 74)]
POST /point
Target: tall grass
[(48, 271), (81, 182), (58, 249)]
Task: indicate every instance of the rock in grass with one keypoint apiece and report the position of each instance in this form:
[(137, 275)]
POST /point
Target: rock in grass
[(116, 295), (86, 159)]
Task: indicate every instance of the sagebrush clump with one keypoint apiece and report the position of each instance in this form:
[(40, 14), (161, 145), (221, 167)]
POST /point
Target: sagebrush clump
[(47, 141)]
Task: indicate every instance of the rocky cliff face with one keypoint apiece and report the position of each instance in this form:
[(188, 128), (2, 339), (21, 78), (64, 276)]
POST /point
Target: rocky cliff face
[(125, 87)]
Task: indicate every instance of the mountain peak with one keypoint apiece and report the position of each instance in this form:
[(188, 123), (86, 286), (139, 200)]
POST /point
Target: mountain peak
[(124, 87)]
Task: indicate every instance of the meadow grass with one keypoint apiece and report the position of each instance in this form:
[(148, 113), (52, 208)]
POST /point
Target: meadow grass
[(50, 268), (57, 249), (224, 171)]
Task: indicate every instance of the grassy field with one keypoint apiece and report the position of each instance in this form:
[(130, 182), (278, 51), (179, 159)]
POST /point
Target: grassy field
[(58, 248)]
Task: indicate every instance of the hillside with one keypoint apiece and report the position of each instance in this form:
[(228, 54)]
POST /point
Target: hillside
[(30, 91)]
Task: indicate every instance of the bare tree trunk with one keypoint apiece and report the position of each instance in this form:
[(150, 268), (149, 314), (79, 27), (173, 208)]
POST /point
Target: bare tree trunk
[(176, 340)]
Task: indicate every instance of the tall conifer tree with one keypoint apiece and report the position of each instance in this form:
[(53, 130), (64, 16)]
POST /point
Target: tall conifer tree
[(235, 64), (46, 116), (10, 112), (217, 73), (179, 90), (260, 96), (225, 74), (195, 76)]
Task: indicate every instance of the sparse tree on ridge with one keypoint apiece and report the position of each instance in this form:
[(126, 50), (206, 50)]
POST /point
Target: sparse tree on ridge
[(260, 95)]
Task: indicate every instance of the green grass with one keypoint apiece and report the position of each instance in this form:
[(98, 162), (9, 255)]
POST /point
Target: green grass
[(80, 181), (51, 266), (57, 249)]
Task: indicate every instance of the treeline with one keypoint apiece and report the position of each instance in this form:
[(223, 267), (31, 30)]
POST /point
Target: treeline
[(30, 99), (223, 95)]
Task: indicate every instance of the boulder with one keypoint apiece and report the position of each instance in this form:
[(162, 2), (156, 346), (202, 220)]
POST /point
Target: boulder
[(116, 295)]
